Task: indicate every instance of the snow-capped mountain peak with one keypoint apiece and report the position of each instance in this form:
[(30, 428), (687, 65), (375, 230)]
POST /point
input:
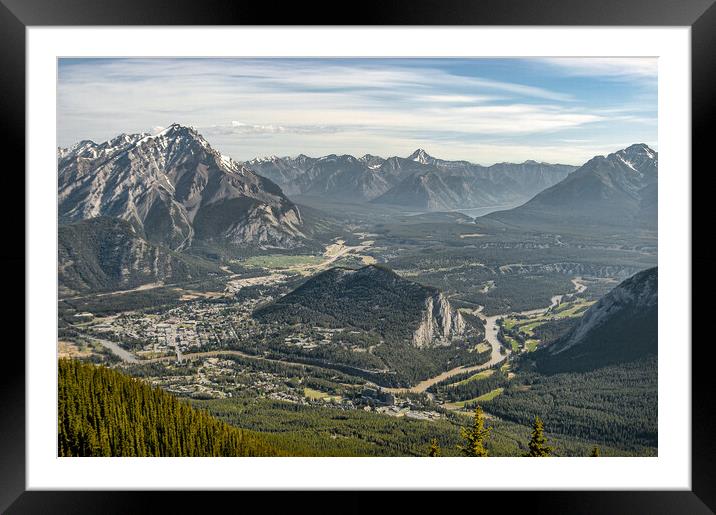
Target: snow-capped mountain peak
[(422, 157), (176, 188)]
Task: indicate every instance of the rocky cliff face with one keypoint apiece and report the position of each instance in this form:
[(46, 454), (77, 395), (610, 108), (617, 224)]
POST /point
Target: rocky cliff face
[(175, 189), (439, 323)]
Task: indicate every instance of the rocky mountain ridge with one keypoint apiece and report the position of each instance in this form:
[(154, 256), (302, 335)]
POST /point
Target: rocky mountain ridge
[(617, 190), (621, 327), (419, 181), (175, 189)]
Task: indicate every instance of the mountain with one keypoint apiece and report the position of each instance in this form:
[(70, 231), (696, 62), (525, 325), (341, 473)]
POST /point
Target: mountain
[(619, 190), (103, 412), (422, 157), (104, 254), (435, 190), (342, 177), (175, 190), (459, 184), (281, 170), (372, 298), (337, 177), (419, 181), (621, 327)]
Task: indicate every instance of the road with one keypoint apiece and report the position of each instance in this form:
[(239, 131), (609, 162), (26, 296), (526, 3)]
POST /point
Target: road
[(338, 250), (172, 341), (148, 286), (579, 285), (333, 253), (206, 354)]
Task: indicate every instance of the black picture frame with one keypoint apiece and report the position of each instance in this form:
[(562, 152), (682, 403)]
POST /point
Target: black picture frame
[(17, 15)]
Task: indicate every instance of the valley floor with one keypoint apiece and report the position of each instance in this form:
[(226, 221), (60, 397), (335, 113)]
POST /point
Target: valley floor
[(199, 340)]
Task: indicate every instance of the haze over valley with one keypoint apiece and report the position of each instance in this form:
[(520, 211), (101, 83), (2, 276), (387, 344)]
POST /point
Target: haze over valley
[(344, 303)]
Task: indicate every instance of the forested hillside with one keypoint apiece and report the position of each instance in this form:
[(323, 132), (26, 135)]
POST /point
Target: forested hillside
[(372, 298), (105, 254), (102, 412)]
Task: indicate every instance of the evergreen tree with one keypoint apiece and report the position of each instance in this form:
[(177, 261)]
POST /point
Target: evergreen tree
[(595, 452), (475, 436), (435, 451), (538, 443), (102, 412)]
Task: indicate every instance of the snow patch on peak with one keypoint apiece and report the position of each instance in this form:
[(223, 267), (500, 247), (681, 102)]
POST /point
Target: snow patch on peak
[(641, 149), (627, 162), (266, 159), (226, 160), (421, 156)]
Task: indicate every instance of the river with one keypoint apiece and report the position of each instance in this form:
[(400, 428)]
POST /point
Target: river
[(496, 357), (491, 330)]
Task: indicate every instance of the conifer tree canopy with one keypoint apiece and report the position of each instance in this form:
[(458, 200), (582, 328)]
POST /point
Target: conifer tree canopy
[(475, 436)]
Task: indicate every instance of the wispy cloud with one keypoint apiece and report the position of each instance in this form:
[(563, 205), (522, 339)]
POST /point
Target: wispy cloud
[(240, 128), (623, 68), (251, 107)]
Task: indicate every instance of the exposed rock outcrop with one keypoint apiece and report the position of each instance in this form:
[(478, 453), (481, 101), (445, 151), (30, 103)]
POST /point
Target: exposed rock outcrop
[(439, 323)]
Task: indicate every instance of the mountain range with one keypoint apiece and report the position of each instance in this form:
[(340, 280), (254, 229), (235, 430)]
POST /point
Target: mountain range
[(614, 191), (419, 181), (174, 189), (374, 299)]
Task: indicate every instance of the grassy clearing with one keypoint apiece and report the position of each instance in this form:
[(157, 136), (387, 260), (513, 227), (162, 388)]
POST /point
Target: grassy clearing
[(490, 395), (476, 377), (482, 347), (574, 309), (280, 261), (317, 395), (513, 343), (509, 323), (565, 310), (482, 398), (531, 345), (529, 328)]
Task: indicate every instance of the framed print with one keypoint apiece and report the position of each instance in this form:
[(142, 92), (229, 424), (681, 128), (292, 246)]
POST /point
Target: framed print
[(258, 249)]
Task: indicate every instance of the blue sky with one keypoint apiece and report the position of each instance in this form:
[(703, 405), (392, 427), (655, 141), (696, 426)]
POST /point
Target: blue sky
[(483, 110)]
